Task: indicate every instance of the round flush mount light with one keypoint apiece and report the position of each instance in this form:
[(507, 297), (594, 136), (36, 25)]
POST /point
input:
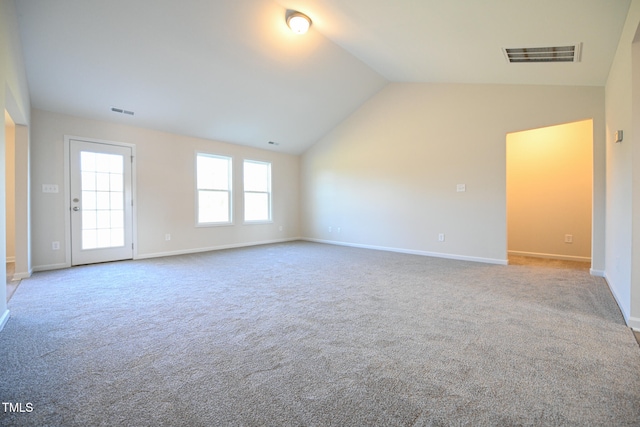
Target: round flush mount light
[(298, 22)]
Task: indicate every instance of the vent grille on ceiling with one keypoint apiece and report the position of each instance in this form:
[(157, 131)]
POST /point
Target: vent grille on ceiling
[(121, 111), (567, 53)]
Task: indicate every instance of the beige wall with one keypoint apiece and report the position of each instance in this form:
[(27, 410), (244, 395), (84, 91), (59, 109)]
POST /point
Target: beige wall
[(22, 204), (549, 189), (622, 270), (165, 189), (387, 176)]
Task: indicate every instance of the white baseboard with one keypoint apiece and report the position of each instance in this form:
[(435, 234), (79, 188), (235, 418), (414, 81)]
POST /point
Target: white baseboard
[(22, 275), (170, 253), (634, 323), (50, 267), (411, 251), (4, 319), (212, 248), (597, 273), (551, 256), (625, 315)]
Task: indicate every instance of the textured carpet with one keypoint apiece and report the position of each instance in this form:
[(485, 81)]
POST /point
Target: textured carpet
[(308, 334)]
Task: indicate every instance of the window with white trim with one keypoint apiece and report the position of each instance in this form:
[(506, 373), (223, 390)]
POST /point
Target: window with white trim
[(257, 191), (213, 184)]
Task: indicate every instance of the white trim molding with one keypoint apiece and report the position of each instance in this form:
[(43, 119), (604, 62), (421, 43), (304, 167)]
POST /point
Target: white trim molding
[(213, 248), (412, 252), (4, 319), (634, 323), (625, 315), (178, 252), (48, 267), (22, 275), (551, 256)]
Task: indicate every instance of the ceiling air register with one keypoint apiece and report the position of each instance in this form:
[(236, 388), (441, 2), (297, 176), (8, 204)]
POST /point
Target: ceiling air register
[(567, 53)]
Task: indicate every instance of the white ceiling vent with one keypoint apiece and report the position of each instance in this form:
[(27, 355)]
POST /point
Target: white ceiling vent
[(121, 111), (566, 53)]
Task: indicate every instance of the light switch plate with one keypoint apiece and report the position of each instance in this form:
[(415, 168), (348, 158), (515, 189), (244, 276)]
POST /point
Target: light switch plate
[(461, 188), (619, 136), (49, 188)]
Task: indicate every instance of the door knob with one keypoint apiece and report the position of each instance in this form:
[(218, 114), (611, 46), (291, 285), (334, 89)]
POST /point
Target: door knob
[(75, 208)]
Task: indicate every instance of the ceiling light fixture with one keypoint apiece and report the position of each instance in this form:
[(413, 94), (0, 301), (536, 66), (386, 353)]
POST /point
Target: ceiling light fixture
[(298, 22)]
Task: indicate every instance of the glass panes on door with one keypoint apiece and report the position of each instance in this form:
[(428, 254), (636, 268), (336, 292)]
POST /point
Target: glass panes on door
[(102, 200)]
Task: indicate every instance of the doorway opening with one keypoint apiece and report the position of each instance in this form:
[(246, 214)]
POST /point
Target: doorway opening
[(10, 205), (550, 194)]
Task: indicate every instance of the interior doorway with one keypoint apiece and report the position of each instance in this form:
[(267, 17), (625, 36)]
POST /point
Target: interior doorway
[(10, 210), (550, 192), (10, 196)]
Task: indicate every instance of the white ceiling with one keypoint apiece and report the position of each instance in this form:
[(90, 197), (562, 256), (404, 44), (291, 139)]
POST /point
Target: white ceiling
[(230, 70)]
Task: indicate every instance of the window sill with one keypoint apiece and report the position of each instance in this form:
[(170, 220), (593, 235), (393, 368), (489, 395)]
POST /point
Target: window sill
[(214, 224)]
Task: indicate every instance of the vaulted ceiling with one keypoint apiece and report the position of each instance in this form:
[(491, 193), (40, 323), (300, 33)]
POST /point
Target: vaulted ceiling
[(231, 70)]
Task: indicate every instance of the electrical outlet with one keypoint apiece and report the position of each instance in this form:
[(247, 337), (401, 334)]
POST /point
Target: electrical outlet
[(330, 229), (280, 228), (339, 229), (167, 237), (568, 238), (461, 188), (55, 246), (441, 237)]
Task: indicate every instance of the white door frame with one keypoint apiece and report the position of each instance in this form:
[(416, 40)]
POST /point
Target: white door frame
[(67, 192)]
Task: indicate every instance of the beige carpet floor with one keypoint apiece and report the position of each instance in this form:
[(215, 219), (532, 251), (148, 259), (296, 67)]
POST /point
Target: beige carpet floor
[(304, 334)]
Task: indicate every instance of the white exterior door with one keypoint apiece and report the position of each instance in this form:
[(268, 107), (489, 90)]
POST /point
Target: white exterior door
[(101, 202)]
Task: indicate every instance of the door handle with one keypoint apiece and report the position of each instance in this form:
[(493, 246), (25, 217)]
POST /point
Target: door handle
[(75, 208)]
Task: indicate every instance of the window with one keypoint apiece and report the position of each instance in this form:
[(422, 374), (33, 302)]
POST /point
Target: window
[(257, 191), (213, 183)]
